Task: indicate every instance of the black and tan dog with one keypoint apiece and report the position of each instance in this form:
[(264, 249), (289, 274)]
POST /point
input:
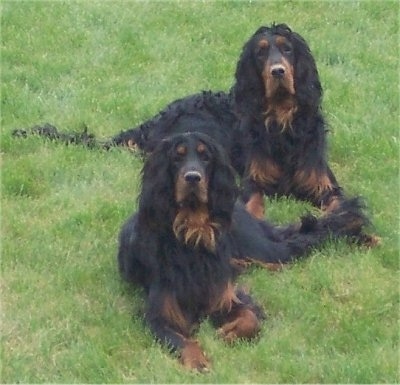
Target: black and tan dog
[(270, 123), (189, 236)]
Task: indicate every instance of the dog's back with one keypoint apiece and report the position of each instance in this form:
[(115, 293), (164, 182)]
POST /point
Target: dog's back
[(207, 112)]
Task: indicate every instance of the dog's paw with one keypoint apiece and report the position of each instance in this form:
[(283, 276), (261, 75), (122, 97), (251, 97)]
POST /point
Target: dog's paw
[(192, 357)]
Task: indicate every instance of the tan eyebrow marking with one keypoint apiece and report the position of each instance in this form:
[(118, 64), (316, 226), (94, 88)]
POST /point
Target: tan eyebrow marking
[(263, 43), (201, 148), (181, 150), (280, 40)]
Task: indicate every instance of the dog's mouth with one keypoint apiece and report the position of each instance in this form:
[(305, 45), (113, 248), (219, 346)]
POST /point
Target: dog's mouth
[(281, 95), (192, 199), (278, 81), (279, 89), (191, 189)]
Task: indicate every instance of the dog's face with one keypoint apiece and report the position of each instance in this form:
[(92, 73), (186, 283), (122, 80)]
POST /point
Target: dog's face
[(188, 180), (277, 74), (274, 55), (191, 162)]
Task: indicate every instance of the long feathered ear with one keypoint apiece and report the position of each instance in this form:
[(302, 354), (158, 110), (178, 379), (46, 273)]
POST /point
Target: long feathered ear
[(223, 191), (156, 200), (248, 90), (307, 83)]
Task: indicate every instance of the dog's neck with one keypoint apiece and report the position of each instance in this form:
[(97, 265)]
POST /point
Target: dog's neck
[(280, 111), (194, 227)]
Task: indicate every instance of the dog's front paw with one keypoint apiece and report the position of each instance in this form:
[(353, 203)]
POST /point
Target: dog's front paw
[(192, 357)]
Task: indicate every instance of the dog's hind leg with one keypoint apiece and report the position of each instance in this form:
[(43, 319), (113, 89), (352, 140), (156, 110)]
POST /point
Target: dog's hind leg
[(241, 320), (318, 187), (255, 205)]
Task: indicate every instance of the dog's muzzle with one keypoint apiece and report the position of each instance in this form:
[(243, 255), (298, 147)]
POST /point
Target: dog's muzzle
[(278, 71), (192, 177)]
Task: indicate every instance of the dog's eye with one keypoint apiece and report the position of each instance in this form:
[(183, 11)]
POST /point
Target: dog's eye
[(287, 49), (177, 158), (262, 52), (262, 48), (204, 156)]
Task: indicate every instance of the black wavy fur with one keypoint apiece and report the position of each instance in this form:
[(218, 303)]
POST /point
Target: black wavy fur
[(188, 187), (274, 134), (51, 132), (237, 121), (288, 152)]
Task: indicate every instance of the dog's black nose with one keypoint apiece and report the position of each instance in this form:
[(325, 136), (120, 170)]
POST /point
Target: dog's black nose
[(278, 71), (192, 177)]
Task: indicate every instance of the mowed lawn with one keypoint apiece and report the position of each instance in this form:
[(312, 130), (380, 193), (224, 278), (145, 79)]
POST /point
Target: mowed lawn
[(66, 317)]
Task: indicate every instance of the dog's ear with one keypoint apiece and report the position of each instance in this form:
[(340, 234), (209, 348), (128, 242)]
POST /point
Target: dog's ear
[(223, 190), (248, 90), (307, 83), (156, 199)]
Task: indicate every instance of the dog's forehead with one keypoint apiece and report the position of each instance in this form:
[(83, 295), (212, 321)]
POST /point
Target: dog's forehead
[(190, 143), (268, 38)]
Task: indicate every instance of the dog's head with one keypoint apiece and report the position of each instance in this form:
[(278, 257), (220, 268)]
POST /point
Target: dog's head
[(187, 173), (191, 163), (274, 59), (276, 65)]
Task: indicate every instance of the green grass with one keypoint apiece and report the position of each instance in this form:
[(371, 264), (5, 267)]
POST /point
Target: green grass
[(66, 315)]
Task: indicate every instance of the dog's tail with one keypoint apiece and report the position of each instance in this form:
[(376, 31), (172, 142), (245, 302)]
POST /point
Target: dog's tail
[(263, 244), (132, 138), (346, 221)]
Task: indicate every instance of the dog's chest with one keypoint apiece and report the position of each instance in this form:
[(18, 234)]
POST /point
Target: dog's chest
[(195, 228), (196, 276)]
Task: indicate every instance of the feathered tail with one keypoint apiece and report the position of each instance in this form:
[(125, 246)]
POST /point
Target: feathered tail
[(347, 221), (131, 138), (261, 243)]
